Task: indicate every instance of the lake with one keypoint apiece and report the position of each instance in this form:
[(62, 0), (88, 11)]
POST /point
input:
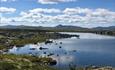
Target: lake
[(90, 49)]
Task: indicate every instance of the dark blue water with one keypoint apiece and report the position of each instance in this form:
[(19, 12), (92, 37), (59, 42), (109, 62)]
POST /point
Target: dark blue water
[(90, 49)]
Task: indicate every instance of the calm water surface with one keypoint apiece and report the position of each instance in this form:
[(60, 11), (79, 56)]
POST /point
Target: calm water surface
[(90, 49)]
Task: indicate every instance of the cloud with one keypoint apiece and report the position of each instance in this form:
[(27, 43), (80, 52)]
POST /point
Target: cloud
[(69, 16), (41, 10), (7, 0), (4, 20), (66, 16), (7, 10), (54, 1), (77, 10)]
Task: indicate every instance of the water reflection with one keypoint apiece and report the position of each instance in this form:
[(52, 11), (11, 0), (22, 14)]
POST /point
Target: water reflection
[(90, 35), (84, 51)]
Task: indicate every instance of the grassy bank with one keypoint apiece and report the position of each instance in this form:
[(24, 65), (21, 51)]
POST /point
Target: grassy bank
[(27, 62), (24, 62)]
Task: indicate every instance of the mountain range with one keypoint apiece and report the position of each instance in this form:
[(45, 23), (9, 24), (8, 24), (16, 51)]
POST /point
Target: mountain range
[(59, 27)]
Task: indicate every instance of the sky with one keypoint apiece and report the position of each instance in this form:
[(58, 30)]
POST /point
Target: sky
[(84, 13)]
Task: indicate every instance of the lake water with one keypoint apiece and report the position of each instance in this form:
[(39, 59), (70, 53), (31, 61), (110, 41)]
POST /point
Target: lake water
[(90, 49)]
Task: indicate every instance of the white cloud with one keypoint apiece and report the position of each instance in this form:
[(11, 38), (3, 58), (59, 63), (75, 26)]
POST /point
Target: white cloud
[(91, 16), (77, 10), (54, 1), (67, 16), (4, 20), (7, 10), (41, 10), (7, 0)]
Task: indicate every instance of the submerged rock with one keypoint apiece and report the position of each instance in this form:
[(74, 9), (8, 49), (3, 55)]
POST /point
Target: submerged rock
[(32, 48), (50, 54), (53, 62), (41, 48), (48, 41), (60, 42), (60, 47)]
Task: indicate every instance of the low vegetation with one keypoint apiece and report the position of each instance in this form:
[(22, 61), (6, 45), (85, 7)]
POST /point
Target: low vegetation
[(24, 62)]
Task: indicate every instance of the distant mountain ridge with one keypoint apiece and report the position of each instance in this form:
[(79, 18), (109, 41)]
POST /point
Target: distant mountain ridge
[(105, 28), (15, 27), (60, 27)]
